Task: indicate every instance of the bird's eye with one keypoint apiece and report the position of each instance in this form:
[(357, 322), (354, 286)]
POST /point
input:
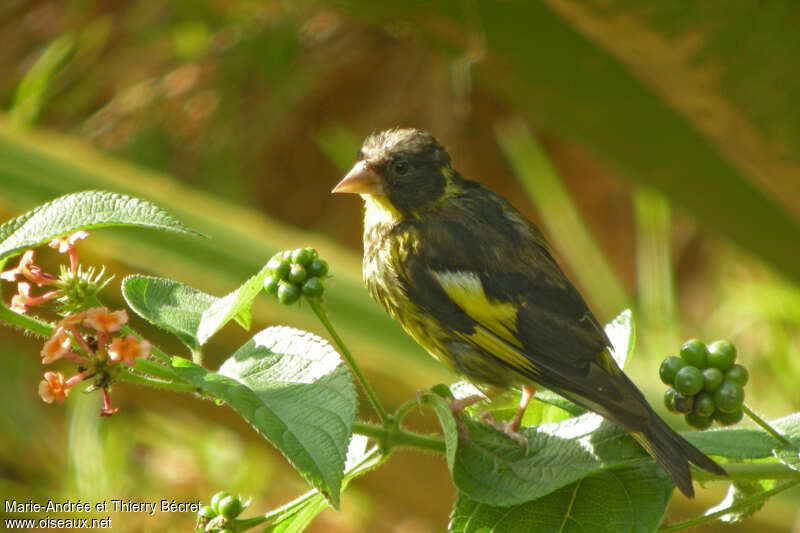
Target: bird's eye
[(401, 166)]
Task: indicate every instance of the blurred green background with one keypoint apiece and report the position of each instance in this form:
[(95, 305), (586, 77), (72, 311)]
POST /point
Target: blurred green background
[(657, 143)]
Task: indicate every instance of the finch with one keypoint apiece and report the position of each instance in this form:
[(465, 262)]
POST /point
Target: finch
[(475, 284)]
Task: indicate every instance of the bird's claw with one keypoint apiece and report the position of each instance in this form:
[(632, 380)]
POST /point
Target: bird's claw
[(508, 428)]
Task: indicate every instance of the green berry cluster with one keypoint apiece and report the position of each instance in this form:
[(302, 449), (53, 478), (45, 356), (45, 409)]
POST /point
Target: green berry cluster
[(217, 516), (293, 273), (705, 383)]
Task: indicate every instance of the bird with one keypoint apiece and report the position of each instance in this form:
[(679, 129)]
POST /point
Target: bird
[(475, 283)]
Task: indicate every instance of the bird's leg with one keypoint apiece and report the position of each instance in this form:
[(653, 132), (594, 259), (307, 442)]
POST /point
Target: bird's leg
[(524, 400), (511, 427), (458, 406)]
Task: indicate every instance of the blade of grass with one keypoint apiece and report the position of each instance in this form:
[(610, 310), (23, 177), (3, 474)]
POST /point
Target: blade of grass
[(561, 218)]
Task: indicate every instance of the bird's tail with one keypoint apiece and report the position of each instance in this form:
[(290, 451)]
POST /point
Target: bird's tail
[(674, 453)]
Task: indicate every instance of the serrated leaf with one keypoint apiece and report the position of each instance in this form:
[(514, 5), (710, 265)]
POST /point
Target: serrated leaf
[(628, 499), (168, 304), (190, 314), (236, 305), (736, 443), (448, 424), (789, 455), (492, 468), (738, 493), (297, 515), (293, 388), (82, 210)]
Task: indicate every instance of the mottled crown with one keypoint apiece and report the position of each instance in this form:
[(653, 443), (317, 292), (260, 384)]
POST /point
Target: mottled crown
[(381, 146)]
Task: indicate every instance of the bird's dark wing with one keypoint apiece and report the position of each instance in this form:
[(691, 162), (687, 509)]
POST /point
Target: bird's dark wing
[(487, 273)]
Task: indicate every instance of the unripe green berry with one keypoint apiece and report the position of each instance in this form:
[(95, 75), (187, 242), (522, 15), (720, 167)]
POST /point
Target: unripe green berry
[(297, 273), (288, 293), (689, 381), (704, 404), (216, 498), (683, 403), (729, 397), (279, 267), (313, 288), (728, 418), (271, 284), (206, 511), (669, 367), (317, 268), (712, 378), (737, 374), (669, 400), (694, 353), (302, 256), (698, 421), (230, 507), (286, 254), (721, 354)]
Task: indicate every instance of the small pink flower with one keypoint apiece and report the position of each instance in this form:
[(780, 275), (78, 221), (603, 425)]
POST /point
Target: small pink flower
[(53, 387), (72, 320), (56, 347), (127, 349), (23, 299), (65, 243), (28, 270), (104, 321)]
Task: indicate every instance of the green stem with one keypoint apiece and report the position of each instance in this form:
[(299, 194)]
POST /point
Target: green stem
[(373, 398), (31, 324), (741, 504), (764, 424), (197, 356), (748, 471), (392, 436), (370, 461)]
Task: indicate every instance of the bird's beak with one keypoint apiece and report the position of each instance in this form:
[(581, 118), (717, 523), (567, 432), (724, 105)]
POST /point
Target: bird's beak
[(361, 180)]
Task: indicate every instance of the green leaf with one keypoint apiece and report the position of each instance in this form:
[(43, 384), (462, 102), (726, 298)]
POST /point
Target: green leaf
[(83, 210), (236, 305), (789, 455), (626, 499), (448, 423), (736, 443), (168, 304), (190, 314), (491, 468), (297, 515), (293, 388), (741, 492)]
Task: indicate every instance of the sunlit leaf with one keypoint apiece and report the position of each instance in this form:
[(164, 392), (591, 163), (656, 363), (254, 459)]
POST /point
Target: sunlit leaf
[(630, 498), (83, 210), (293, 388)]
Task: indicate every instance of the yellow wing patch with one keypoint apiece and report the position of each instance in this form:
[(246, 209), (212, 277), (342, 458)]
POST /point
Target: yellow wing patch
[(466, 290), (500, 349)]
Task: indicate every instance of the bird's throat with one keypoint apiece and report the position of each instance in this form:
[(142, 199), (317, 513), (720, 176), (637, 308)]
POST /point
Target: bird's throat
[(378, 211)]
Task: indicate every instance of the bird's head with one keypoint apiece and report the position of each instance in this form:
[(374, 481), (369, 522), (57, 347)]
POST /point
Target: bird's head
[(407, 168)]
